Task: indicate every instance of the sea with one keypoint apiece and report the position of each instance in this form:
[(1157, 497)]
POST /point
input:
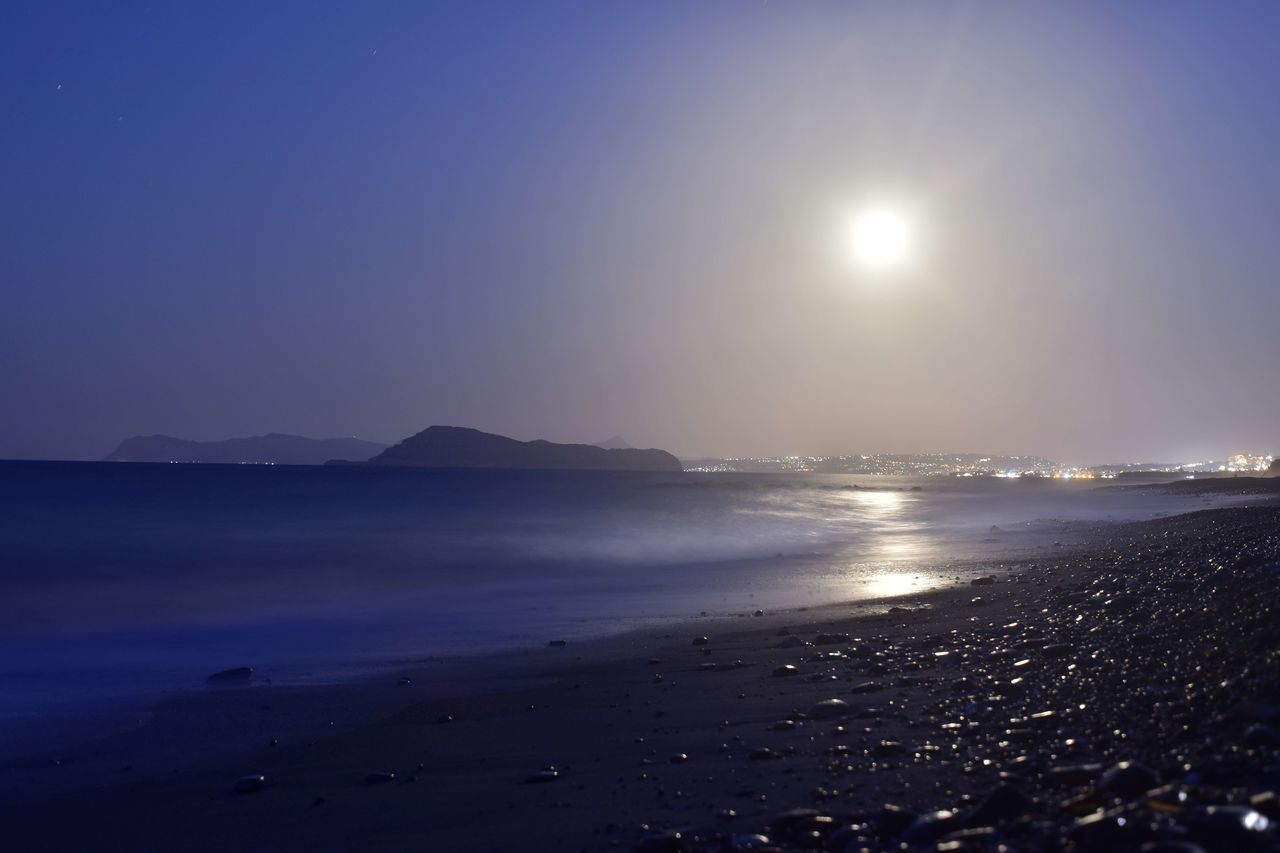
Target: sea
[(122, 584)]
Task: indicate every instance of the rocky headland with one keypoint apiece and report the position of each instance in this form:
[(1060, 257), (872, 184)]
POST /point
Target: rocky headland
[(462, 447)]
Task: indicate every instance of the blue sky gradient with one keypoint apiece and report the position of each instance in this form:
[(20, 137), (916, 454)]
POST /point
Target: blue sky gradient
[(570, 220)]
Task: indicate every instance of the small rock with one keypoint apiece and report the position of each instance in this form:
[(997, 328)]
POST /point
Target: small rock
[(1261, 734), (829, 709), (250, 784), (1128, 779), (831, 639), (928, 828), (662, 840), (1268, 803), (1004, 803), (239, 673), (892, 821), (1079, 774)]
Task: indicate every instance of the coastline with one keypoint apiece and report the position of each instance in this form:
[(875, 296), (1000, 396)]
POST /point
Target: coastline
[(148, 740), (622, 731)]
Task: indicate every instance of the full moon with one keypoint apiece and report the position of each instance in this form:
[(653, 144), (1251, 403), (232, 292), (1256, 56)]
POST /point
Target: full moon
[(880, 238)]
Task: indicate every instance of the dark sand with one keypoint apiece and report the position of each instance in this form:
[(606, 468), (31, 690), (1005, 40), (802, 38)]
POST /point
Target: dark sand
[(1159, 644)]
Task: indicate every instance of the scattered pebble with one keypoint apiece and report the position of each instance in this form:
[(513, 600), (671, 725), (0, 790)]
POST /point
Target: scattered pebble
[(250, 784)]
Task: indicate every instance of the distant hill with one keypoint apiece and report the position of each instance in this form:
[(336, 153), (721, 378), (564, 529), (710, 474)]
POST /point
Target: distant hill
[(460, 447), (1274, 468), (615, 443), (274, 448)]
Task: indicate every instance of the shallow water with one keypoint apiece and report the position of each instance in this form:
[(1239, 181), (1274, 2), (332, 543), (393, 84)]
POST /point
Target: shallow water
[(120, 583)]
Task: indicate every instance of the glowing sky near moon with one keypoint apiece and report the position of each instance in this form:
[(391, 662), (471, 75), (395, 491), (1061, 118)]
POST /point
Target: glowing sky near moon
[(572, 220)]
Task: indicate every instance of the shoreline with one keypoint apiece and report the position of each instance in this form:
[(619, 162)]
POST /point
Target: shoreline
[(458, 784), (76, 730), (170, 734)]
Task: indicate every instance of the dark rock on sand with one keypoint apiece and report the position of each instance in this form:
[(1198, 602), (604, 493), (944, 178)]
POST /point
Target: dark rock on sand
[(763, 753), (1056, 651), (1261, 734), (1128, 779), (829, 709), (662, 840), (231, 676), (928, 828), (1004, 803), (831, 639), (250, 784), (888, 747), (720, 667), (803, 827), (785, 671), (1109, 830), (1077, 774), (892, 820)]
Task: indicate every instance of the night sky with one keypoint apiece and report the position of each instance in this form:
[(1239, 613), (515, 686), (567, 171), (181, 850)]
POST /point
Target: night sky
[(570, 220)]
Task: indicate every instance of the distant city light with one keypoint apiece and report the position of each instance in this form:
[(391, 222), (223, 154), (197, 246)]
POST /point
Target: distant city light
[(975, 465)]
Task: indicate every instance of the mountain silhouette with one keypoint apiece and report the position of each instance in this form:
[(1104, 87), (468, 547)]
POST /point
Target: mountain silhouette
[(274, 448), (461, 447)]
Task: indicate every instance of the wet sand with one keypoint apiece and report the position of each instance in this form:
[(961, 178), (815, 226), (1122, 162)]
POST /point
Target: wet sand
[(979, 714)]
